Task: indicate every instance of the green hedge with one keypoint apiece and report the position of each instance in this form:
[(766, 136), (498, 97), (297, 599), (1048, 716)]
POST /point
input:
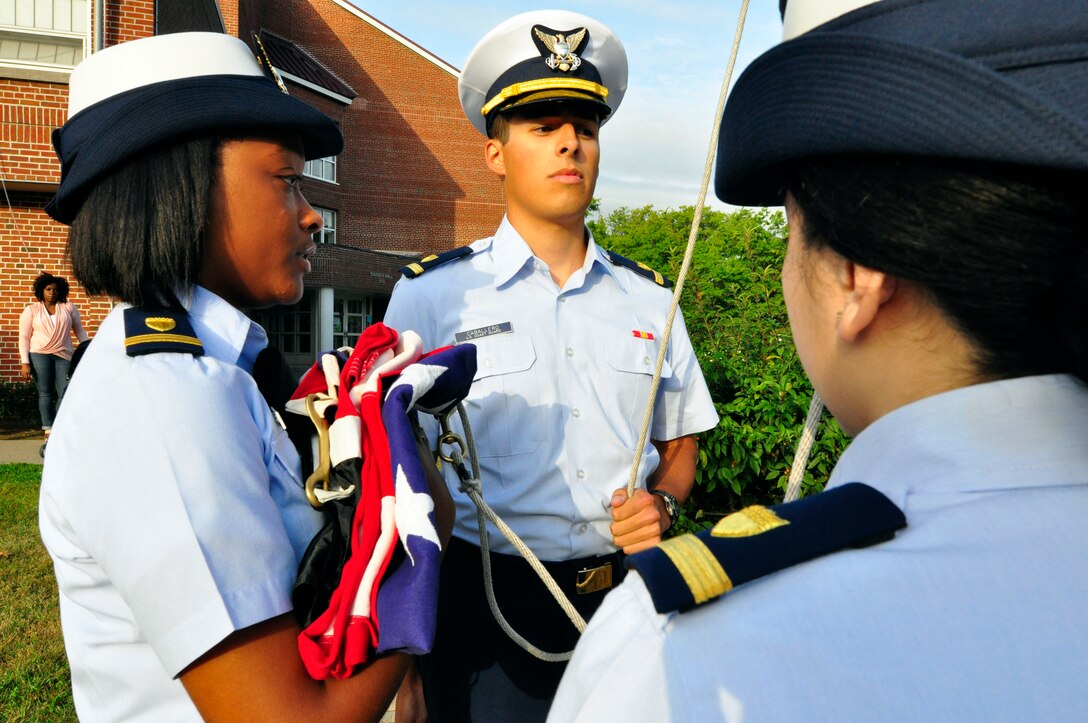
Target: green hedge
[(736, 318), (19, 402)]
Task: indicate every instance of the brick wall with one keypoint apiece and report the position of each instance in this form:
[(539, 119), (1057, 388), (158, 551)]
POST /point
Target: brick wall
[(30, 241), (229, 10), (412, 176), (129, 20), (29, 111), (318, 192)]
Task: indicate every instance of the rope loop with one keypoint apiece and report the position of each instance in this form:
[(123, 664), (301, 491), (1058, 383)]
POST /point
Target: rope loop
[(470, 485)]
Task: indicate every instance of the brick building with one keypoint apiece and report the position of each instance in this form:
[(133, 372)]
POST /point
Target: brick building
[(410, 179)]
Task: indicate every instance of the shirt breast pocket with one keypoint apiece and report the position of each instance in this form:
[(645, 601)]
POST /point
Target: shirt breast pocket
[(504, 404), (631, 362)]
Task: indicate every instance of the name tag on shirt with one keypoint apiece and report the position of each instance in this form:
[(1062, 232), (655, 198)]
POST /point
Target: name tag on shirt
[(491, 330)]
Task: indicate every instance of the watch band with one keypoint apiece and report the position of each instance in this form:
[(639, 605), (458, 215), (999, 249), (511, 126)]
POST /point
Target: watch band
[(672, 505)]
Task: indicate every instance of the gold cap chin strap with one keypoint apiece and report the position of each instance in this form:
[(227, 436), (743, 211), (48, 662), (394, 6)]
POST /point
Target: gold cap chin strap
[(533, 86)]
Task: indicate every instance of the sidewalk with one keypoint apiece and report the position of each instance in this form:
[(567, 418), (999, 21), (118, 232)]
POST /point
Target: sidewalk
[(20, 450)]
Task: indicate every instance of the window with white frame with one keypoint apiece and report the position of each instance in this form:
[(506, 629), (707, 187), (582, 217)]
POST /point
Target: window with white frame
[(326, 235), (43, 34), (323, 168), (349, 318)]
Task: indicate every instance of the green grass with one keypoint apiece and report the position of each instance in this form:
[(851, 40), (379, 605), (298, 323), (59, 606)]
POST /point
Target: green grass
[(34, 679)]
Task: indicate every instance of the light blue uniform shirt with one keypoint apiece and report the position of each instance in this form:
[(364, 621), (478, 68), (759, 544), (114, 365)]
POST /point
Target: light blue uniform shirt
[(172, 506), (562, 385), (974, 612)]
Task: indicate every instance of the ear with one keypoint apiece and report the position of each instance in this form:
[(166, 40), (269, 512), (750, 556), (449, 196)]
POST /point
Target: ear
[(866, 291), (493, 157)]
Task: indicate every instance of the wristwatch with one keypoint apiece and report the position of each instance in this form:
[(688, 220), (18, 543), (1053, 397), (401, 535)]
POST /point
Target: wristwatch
[(672, 505)]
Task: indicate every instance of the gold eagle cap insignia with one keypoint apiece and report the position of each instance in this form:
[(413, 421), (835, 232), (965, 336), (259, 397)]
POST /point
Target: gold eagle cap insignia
[(160, 323), (562, 47), (750, 521)]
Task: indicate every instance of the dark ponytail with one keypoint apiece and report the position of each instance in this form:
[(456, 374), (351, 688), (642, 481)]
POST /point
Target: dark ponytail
[(1002, 251)]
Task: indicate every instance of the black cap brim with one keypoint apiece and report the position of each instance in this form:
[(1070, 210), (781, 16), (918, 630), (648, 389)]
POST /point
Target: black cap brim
[(106, 135)]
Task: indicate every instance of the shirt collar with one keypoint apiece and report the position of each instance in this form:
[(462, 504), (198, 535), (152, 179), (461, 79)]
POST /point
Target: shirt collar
[(511, 253), (226, 333), (1023, 432), (600, 257)]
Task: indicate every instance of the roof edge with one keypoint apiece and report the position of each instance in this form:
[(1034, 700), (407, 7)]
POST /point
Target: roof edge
[(314, 87), (418, 49)]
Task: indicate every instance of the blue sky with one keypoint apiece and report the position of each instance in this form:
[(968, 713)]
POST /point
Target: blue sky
[(654, 149)]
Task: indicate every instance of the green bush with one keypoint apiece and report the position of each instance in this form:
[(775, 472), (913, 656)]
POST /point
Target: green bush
[(736, 317), (19, 402)]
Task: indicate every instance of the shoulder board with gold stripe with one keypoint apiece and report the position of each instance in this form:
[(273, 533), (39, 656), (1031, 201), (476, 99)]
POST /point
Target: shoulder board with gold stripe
[(639, 268), (689, 570), (429, 262), (149, 331)]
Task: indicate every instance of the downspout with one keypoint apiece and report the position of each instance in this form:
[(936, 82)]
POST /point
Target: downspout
[(99, 43), (99, 25)]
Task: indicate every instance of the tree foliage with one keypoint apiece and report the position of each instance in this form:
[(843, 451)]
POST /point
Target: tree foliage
[(736, 317)]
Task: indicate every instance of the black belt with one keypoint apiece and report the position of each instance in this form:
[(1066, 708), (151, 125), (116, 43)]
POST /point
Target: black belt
[(582, 576), (588, 574)]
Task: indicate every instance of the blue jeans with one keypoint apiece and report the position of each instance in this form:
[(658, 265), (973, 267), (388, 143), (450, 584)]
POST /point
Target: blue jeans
[(50, 373)]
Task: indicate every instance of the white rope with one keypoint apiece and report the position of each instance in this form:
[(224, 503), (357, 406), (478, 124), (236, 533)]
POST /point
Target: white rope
[(688, 252), (11, 210), (804, 447), (470, 484)]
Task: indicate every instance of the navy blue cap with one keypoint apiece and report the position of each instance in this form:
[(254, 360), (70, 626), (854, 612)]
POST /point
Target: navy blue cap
[(544, 56), (1002, 82), (136, 95)]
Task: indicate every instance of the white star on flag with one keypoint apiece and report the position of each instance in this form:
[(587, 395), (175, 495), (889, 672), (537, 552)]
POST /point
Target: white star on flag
[(421, 378), (411, 513)]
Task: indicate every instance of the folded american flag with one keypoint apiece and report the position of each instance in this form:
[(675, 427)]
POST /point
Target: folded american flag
[(408, 596), (364, 584)]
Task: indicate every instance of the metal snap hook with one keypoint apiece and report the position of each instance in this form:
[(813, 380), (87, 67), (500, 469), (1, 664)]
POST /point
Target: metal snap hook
[(451, 438)]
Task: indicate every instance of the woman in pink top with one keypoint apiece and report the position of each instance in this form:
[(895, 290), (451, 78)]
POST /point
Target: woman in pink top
[(45, 342)]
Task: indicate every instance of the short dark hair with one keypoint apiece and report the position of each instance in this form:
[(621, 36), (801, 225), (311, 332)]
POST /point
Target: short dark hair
[(498, 127), (45, 279), (1002, 251), (139, 236)]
